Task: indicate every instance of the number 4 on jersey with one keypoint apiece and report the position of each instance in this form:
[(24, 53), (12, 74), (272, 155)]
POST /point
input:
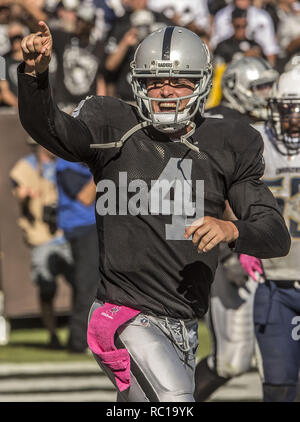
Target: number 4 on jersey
[(177, 178)]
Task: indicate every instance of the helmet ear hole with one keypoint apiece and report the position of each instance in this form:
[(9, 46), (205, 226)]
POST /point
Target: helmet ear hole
[(143, 83), (230, 82)]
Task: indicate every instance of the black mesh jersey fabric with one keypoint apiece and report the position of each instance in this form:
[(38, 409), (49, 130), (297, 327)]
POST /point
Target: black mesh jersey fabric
[(145, 262), (139, 265)]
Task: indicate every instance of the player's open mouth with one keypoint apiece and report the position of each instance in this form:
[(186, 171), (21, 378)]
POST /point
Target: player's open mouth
[(168, 107)]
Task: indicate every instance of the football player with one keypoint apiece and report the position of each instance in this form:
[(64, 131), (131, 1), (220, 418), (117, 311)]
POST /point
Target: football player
[(246, 85), (163, 174), (277, 300)]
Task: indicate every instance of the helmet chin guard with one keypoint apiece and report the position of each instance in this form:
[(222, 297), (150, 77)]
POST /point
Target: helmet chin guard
[(170, 52)]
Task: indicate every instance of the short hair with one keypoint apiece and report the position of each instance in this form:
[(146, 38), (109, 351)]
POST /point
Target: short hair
[(238, 13)]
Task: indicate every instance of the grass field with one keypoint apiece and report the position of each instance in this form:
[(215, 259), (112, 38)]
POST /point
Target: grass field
[(29, 346)]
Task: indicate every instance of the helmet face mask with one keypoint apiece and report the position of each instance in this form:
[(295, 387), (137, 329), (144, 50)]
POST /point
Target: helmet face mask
[(170, 53), (284, 122), (246, 86), (284, 113), (261, 91)]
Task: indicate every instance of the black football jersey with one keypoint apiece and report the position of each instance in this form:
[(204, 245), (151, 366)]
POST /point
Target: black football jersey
[(145, 261), (222, 111)]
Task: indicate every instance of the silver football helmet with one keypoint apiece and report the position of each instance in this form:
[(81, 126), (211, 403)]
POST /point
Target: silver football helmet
[(283, 123), (246, 85), (171, 52)]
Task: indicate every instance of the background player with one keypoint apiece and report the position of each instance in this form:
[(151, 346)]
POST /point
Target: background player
[(277, 300), (246, 84)]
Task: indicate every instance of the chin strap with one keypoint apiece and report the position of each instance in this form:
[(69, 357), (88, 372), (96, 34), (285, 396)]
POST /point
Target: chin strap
[(126, 136), (121, 142), (183, 138)]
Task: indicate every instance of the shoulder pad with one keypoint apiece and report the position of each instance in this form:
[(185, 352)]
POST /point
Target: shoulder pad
[(76, 111)]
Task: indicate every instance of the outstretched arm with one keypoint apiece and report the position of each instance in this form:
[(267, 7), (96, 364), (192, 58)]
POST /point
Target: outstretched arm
[(57, 131)]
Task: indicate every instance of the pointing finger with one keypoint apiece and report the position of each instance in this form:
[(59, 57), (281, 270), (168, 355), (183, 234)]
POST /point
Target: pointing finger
[(44, 29)]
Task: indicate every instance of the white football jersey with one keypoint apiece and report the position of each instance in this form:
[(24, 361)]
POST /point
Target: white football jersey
[(188, 10), (282, 175)]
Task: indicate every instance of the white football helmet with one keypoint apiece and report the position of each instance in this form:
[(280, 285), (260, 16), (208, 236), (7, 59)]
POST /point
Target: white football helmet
[(283, 123), (171, 52), (246, 85), (294, 61)]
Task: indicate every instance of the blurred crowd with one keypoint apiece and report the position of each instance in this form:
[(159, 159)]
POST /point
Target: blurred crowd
[(94, 40)]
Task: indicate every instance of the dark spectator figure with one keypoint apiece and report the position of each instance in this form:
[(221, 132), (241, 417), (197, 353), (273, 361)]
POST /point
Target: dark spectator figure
[(111, 10), (215, 5), (237, 46), (9, 87), (34, 186), (127, 31), (63, 15), (260, 27), (76, 216), (78, 62)]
